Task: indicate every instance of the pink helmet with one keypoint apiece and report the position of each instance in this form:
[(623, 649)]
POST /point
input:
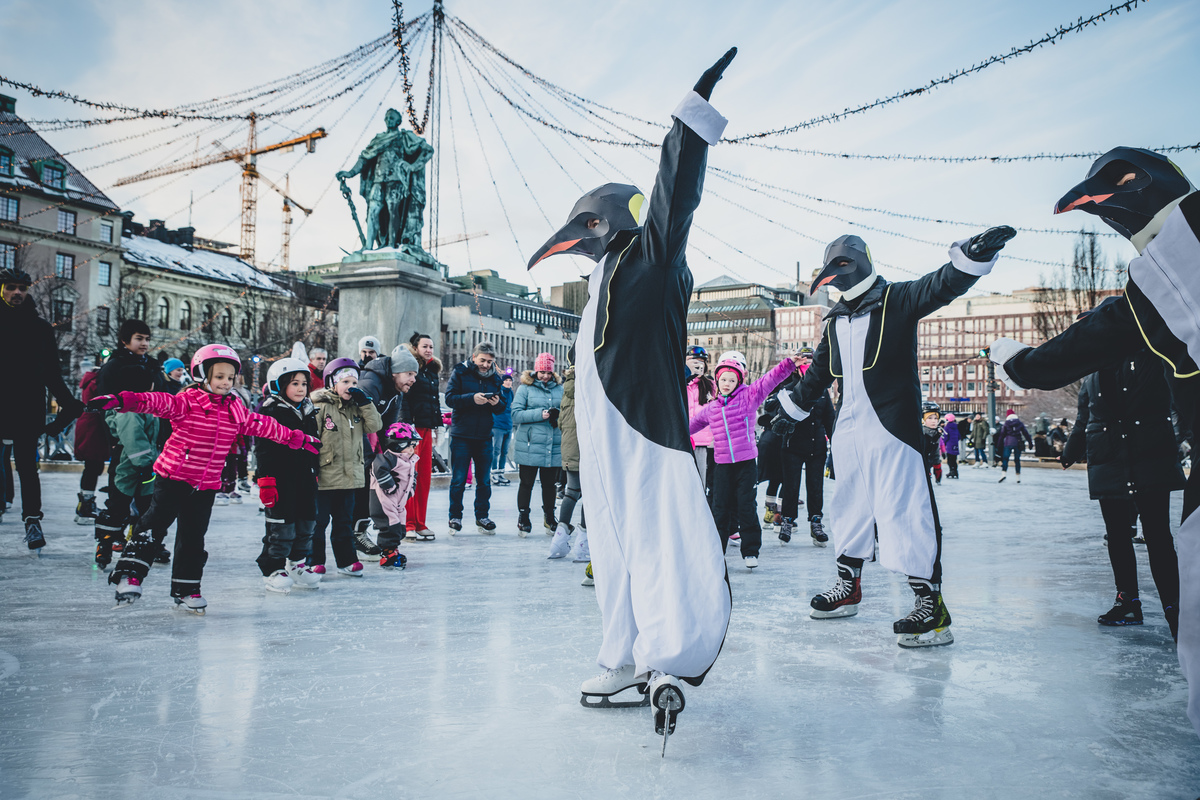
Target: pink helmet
[(212, 353), (731, 363)]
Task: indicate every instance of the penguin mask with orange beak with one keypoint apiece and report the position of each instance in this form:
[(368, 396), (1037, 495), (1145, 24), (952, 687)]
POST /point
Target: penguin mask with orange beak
[(616, 207)]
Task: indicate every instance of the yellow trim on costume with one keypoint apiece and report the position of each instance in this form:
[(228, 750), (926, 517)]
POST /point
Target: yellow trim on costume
[(608, 300), (882, 320), (829, 333), (1141, 330)]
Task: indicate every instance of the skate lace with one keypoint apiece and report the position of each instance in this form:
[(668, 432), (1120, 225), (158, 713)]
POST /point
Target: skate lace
[(817, 527), (840, 591), (922, 610)]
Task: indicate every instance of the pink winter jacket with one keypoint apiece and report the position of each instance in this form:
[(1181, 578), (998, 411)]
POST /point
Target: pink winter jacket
[(704, 437), (403, 471), (732, 418), (204, 427)]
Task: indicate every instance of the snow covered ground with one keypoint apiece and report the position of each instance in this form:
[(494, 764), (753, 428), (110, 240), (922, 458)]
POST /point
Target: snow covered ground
[(459, 676)]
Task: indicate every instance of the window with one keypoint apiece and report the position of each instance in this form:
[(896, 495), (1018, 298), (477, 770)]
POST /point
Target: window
[(8, 256), (970, 387), (66, 222), (106, 232), (104, 275), (63, 311), (185, 316), (64, 266), (207, 326), (102, 322), (164, 313), (6, 161), (247, 325), (227, 323), (9, 209), (970, 370), (53, 176)]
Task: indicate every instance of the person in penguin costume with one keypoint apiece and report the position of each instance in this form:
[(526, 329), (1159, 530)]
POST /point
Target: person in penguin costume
[(660, 575), (870, 345), (1147, 199)]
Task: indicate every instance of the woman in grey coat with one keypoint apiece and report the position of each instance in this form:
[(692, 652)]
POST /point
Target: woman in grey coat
[(537, 439)]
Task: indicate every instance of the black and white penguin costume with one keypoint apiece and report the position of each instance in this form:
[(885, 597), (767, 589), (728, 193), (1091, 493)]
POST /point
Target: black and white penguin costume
[(870, 345), (659, 571), (1147, 199)]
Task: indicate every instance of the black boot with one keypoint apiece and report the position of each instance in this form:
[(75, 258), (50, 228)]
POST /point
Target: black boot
[(550, 522), (1125, 611), (524, 525)]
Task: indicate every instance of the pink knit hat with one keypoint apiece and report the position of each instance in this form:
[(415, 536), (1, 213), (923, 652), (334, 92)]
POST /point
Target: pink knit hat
[(543, 363)]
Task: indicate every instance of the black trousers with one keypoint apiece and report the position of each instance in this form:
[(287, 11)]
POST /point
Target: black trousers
[(120, 509), (25, 454), (174, 501), (1120, 520), (525, 491), (814, 465), (338, 505), (952, 464), (735, 509), (92, 470), (289, 527)]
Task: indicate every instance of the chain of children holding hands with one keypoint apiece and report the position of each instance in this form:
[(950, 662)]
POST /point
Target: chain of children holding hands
[(662, 504)]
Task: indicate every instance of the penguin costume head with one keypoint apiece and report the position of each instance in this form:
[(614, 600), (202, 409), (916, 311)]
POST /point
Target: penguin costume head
[(848, 268), (595, 221), (1132, 190)]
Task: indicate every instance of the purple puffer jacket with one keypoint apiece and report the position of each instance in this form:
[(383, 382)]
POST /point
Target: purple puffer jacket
[(950, 439), (732, 418)]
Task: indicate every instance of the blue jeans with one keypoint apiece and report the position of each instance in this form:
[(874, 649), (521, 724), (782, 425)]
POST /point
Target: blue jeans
[(980, 455), (1016, 456), (463, 452), (500, 441)]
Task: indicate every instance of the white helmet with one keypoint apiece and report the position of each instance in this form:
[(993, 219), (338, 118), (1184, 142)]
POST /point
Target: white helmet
[(733, 355), (282, 368)]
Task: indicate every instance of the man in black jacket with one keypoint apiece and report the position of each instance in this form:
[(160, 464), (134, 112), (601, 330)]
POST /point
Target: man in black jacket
[(474, 396), (33, 361)]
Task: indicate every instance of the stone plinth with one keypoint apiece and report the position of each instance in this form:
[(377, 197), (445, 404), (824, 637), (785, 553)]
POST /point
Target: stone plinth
[(386, 293)]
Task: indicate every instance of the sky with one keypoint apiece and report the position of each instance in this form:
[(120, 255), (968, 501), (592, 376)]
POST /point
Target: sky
[(1116, 83)]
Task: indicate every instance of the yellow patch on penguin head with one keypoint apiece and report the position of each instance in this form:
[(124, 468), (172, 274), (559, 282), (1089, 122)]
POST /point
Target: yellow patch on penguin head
[(635, 207)]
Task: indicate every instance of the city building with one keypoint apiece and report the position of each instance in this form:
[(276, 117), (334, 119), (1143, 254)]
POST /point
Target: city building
[(726, 314), (488, 280), (519, 329), (62, 230)]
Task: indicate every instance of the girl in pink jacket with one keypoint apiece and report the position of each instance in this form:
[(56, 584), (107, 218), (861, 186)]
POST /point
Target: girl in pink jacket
[(393, 481), (206, 420), (731, 417), (700, 389)]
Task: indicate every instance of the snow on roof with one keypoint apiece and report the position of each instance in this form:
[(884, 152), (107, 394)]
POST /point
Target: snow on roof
[(200, 263), (28, 148)]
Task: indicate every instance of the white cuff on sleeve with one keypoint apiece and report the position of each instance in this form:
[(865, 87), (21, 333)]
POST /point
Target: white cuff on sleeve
[(963, 264), (1001, 352), (699, 115), (790, 408)]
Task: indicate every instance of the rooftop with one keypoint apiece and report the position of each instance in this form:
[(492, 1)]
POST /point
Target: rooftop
[(207, 264), (31, 152)]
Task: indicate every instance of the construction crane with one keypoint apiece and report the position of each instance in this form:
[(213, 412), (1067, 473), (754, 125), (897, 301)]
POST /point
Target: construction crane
[(455, 239), (247, 157), (285, 257)]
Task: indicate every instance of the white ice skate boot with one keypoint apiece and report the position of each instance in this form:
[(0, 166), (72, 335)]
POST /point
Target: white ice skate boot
[(597, 691), (303, 577), (582, 553), (278, 581), (355, 570), (666, 698), (561, 545), (128, 590), (750, 561), (221, 499), (193, 603)]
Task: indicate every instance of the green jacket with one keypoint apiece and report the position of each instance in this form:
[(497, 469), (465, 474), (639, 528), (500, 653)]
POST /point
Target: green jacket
[(980, 435), (138, 435), (342, 425), (566, 423), (536, 443)]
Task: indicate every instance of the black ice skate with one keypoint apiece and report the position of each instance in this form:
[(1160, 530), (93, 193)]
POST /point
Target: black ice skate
[(666, 696), (524, 524), (34, 538), (85, 510), (786, 524), (843, 599), (1125, 611), (928, 624), (598, 692), (362, 542), (816, 529)]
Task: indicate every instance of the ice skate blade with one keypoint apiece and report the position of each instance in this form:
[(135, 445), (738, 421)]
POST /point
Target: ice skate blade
[(124, 602), (837, 613), (819, 544), (933, 638), (1120, 623), (605, 700)]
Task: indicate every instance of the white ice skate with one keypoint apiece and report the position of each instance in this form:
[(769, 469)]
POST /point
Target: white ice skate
[(355, 570), (303, 577), (278, 581), (666, 697), (750, 561), (562, 541), (128, 590), (193, 604), (221, 499), (582, 553), (598, 691)]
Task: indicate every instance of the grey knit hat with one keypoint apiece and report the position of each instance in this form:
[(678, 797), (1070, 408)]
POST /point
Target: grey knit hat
[(403, 360)]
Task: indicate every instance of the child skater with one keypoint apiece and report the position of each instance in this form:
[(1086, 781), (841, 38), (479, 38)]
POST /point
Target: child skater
[(393, 482), (731, 416), (287, 482), (206, 420), (345, 414), (931, 426)]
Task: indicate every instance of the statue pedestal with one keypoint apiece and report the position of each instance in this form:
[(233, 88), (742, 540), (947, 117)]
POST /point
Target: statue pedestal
[(389, 294)]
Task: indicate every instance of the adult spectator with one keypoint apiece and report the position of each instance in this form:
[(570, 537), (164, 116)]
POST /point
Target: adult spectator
[(386, 381), (537, 439), (1058, 436), (423, 409), (32, 368), (502, 426), (1013, 436), (1124, 428), (317, 358), (979, 439), (369, 349), (91, 447), (475, 397), (802, 449)]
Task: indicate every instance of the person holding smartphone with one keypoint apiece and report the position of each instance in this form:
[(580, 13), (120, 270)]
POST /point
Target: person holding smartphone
[(471, 433)]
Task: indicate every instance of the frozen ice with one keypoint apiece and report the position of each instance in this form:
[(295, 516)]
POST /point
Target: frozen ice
[(459, 676)]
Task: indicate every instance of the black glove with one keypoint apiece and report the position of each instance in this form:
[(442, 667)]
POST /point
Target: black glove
[(783, 425), (359, 397), (387, 482), (772, 404), (985, 246), (709, 79), (553, 418), (145, 475)]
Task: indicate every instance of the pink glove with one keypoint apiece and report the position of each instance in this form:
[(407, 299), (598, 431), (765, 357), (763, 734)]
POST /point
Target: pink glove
[(300, 440), (267, 492), (105, 402)]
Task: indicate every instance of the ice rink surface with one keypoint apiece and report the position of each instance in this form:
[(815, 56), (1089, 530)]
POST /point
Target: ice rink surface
[(458, 677)]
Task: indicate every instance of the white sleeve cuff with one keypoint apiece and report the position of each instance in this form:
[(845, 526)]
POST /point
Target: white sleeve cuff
[(699, 115), (790, 408), (1001, 352), (963, 264)]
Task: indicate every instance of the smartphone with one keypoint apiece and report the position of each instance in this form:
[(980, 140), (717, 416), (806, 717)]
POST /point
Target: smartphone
[(489, 395)]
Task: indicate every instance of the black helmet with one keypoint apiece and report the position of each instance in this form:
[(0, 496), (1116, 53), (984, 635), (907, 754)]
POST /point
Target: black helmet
[(696, 351), (930, 407), (15, 275)]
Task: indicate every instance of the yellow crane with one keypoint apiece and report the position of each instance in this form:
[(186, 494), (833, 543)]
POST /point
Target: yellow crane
[(247, 157)]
